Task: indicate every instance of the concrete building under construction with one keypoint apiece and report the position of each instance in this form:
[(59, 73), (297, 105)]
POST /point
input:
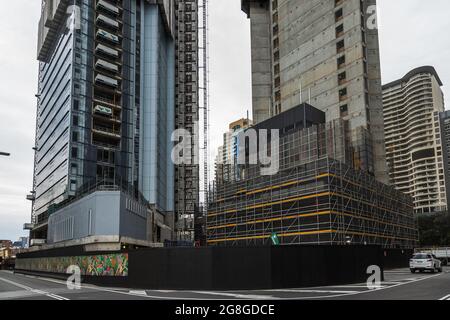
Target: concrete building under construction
[(327, 53), (317, 196), (187, 176)]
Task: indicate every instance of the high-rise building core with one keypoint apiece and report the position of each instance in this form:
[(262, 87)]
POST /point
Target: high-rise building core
[(321, 52), (116, 78)]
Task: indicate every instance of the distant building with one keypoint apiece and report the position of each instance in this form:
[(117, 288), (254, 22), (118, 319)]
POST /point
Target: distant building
[(22, 243), (5, 243), (415, 145), (445, 137), (316, 197), (7, 254), (228, 153), (218, 165)]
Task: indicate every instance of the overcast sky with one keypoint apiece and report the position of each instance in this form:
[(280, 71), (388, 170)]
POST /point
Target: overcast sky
[(412, 33)]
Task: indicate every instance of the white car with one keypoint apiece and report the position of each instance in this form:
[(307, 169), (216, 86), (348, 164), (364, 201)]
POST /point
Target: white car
[(425, 261)]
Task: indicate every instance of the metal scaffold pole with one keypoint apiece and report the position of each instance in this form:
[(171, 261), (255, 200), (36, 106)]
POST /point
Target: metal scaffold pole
[(204, 69)]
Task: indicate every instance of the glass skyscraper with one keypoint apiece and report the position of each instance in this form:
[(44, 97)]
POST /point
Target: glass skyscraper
[(106, 109)]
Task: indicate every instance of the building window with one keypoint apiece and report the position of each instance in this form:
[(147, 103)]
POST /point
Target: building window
[(342, 78), (341, 62), (339, 30), (73, 185), (344, 110), (339, 15), (340, 46), (343, 94)]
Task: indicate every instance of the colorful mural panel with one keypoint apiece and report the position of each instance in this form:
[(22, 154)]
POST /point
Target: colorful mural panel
[(97, 265)]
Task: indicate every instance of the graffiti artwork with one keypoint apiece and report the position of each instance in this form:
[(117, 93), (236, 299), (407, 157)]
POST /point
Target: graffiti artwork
[(98, 265)]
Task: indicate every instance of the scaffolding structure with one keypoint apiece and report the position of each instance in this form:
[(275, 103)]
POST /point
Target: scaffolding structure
[(317, 197), (204, 86)]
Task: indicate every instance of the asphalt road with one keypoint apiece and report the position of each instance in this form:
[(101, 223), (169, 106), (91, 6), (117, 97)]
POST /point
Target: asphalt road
[(399, 284)]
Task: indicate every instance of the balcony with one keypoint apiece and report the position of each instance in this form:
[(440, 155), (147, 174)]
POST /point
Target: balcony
[(37, 242), (107, 65), (31, 197), (101, 79), (108, 36), (109, 132), (108, 7), (107, 50), (108, 21), (105, 111), (28, 226), (108, 102)]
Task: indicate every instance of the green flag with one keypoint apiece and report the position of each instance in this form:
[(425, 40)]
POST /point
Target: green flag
[(275, 240)]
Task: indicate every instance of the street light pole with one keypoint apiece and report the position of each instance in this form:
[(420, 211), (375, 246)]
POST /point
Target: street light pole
[(4, 154)]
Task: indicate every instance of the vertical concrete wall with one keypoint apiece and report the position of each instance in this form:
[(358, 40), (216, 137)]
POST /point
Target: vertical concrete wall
[(99, 214), (261, 60), (375, 95)]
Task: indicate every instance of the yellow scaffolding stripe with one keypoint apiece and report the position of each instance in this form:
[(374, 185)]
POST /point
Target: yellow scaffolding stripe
[(256, 191), (286, 184), (301, 198), (306, 233), (305, 215), (317, 195), (372, 235), (359, 185), (309, 215), (268, 236), (374, 220)]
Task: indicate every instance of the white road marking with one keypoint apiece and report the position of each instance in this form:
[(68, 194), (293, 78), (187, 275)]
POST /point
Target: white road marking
[(350, 286), (39, 292), (138, 292), (447, 297), (312, 291), (117, 291), (16, 294), (236, 295), (366, 291)]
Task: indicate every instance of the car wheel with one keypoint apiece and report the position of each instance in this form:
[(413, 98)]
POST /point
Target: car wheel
[(440, 270), (413, 270)]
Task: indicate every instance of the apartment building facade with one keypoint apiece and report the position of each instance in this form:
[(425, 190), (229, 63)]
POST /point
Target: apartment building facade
[(415, 148), (106, 109), (228, 152), (324, 53)]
